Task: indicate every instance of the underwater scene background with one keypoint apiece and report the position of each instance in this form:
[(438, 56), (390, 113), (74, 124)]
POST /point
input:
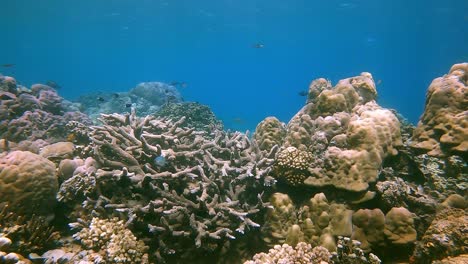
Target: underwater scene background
[(88, 46), (123, 132)]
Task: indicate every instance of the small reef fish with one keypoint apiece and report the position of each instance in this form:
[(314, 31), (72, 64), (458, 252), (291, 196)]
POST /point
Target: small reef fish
[(160, 161), (303, 93), (8, 65), (100, 99), (259, 45), (128, 105), (53, 84)]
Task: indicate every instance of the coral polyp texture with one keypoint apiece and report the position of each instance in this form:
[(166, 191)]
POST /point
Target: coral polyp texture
[(291, 165), (28, 183), (302, 253), (112, 240), (443, 127), (347, 133)]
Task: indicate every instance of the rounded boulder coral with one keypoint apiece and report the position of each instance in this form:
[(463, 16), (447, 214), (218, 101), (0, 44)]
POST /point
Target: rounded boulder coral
[(28, 183)]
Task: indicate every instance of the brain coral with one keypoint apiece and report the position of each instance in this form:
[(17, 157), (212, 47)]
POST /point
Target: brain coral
[(347, 132), (28, 183), (443, 127), (291, 165)]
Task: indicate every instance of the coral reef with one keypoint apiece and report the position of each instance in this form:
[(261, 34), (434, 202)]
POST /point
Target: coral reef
[(269, 132), (58, 151), (291, 165), (443, 127), (399, 226), (79, 184), (25, 235), (316, 222), (32, 114), (349, 252), (147, 98), (344, 178), (114, 241), (301, 254), (368, 228), (197, 116), (205, 193), (446, 237), (28, 183), (347, 132)]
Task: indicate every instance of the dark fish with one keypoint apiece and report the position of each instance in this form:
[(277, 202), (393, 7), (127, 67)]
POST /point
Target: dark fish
[(100, 99), (53, 84), (8, 65), (128, 105), (303, 93), (259, 46)]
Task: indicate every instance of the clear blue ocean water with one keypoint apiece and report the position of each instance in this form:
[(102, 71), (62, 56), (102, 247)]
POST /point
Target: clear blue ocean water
[(98, 45)]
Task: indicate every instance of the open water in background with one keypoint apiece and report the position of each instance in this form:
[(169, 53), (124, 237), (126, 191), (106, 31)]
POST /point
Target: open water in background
[(111, 45)]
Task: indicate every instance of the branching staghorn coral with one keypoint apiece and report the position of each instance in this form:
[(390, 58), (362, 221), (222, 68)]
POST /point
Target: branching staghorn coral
[(192, 193), (26, 233)]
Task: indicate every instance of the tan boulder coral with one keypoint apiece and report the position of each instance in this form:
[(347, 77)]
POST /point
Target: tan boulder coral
[(347, 133), (399, 226), (58, 151), (279, 219), (443, 127), (270, 132), (28, 183), (368, 228), (317, 222)]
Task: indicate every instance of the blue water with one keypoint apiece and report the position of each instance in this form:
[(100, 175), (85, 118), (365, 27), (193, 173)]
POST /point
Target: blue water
[(97, 45)]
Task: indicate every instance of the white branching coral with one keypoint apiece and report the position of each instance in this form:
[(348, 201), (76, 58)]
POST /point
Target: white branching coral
[(113, 239), (207, 191), (303, 253)]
